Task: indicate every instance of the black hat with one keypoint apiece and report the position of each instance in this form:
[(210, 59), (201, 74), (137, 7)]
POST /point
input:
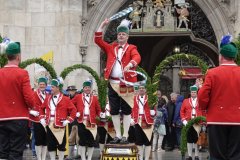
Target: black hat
[(71, 88)]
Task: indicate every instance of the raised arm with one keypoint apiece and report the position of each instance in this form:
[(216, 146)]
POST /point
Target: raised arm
[(98, 38)]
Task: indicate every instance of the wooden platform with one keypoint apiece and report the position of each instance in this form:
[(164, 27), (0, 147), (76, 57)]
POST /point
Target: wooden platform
[(120, 152)]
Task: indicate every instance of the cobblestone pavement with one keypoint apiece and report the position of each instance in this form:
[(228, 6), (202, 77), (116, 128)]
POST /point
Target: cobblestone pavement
[(170, 155)]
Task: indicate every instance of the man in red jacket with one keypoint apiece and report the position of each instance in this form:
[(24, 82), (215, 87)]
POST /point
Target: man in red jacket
[(220, 96), (16, 99), (142, 120), (88, 110), (39, 131), (189, 110), (60, 111), (121, 57)]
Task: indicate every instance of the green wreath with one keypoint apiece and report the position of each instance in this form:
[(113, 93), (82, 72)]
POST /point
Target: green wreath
[(101, 84), (183, 145), (41, 62), (169, 60), (3, 60)]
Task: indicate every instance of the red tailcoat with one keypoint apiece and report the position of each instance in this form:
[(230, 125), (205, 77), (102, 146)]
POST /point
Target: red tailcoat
[(65, 110), (220, 95), (135, 110), (94, 107), (38, 104), (186, 110), (130, 55), (16, 95)]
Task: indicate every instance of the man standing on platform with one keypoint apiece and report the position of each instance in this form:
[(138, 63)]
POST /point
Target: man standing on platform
[(58, 108), (142, 119), (88, 110), (220, 96), (121, 57), (189, 110), (16, 99), (39, 131)]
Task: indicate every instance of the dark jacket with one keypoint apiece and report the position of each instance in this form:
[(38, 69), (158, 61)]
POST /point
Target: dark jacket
[(171, 110), (177, 118)]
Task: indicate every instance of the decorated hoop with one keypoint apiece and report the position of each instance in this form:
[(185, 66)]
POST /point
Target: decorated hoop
[(135, 83), (121, 13)]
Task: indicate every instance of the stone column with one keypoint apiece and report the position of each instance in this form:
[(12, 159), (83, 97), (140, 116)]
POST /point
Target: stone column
[(176, 79)]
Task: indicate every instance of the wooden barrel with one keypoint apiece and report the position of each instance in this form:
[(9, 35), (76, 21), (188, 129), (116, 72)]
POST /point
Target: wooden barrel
[(120, 152)]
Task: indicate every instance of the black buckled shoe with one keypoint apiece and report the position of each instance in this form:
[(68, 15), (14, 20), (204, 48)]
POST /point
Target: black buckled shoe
[(116, 140), (189, 158), (124, 141), (196, 158)]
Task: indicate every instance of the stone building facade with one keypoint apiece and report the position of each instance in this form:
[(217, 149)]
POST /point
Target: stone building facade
[(67, 27)]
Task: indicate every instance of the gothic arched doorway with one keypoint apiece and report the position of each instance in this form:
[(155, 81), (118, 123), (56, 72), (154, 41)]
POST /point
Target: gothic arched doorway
[(156, 43)]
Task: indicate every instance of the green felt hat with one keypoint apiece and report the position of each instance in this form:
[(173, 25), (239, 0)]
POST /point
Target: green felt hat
[(87, 83), (194, 88), (56, 83), (42, 79), (124, 29), (229, 50), (13, 48)]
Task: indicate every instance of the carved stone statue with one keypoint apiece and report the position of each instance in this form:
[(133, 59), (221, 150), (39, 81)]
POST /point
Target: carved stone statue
[(183, 14), (158, 19), (135, 15)]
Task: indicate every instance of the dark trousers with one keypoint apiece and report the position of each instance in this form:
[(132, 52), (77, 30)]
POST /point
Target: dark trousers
[(178, 131), (141, 138), (224, 142), (39, 134), (85, 136), (131, 135), (102, 132), (52, 142), (13, 139), (169, 140), (117, 103), (192, 136)]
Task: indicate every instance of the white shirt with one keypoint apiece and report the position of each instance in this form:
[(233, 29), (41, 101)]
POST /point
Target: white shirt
[(107, 109), (42, 96), (52, 106), (117, 68), (86, 104), (140, 104), (194, 103)]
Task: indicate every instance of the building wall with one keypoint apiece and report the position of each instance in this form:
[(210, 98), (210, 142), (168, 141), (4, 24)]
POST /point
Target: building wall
[(67, 28)]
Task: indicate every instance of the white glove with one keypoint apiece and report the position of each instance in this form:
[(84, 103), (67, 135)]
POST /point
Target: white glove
[(107, 113), (132, 122), (102, 115), (65, 122), (78, 114), (184, 122), (152, 112), (127, 67), (34, 113), (43, 122)]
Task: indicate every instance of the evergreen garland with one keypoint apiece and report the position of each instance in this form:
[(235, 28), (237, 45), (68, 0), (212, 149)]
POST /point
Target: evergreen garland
[(238, 55), (101, 84), (183, 145), (41, 62), (3, 60), (168, 61)]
